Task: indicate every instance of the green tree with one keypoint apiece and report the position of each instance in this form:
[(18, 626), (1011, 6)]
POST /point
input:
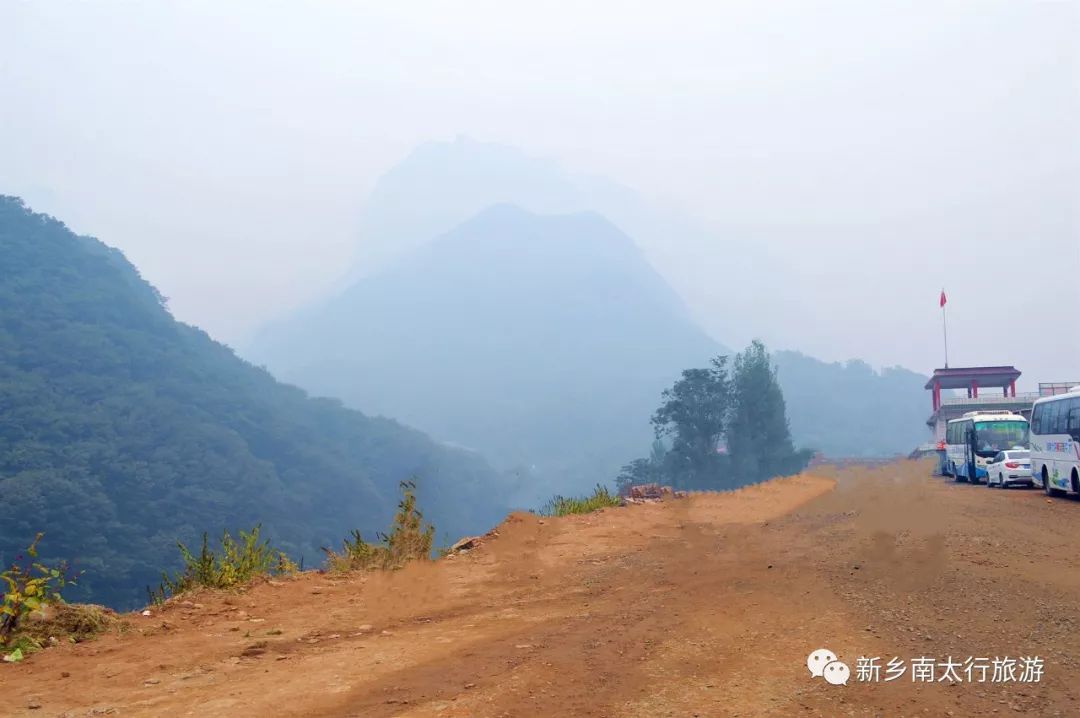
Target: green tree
[(644, 471), (638, 471), (758, 437), (694, 416)]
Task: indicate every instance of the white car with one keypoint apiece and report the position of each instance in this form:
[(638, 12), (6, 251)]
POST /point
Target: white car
[(1010, 468)]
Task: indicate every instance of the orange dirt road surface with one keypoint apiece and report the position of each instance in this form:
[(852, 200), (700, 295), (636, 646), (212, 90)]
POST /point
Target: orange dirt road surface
[(705, 606)]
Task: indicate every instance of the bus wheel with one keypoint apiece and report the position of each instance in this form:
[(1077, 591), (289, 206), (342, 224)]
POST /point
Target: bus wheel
[(955, 474), (1050, 490), (1075, 482)]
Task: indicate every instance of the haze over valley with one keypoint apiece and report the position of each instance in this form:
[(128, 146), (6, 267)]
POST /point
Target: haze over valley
[(498, 305), (858, 157), (261, 264)]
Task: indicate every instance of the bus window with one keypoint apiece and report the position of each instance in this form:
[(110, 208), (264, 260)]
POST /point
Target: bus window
[(1073, 429), (995, 436), (1036, 419), (1049, 419), (1062, 418)]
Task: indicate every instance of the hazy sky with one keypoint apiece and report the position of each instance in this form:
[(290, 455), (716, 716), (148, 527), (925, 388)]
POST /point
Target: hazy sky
[(880, 150)]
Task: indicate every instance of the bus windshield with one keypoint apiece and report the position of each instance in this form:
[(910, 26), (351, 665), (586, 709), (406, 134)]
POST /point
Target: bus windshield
[(994, 436)]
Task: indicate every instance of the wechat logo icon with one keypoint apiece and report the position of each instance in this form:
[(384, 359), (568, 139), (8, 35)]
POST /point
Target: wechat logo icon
[(823, 664)]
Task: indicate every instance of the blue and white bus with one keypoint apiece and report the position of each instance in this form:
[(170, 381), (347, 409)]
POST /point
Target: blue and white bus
[(972, 441), (1055, 443)]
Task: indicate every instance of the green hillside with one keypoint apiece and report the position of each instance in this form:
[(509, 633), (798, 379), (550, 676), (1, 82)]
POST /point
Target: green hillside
[(122, 430)]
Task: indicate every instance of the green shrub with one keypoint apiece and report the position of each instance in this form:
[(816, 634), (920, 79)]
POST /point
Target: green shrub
[(356, 553), (29, 586), (600, 498), (235, 564), (410, 539)]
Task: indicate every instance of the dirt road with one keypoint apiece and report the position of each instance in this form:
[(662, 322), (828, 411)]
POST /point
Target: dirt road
[(704, 606)]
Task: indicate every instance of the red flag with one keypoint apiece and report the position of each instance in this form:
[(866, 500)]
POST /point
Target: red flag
[(943, 300)]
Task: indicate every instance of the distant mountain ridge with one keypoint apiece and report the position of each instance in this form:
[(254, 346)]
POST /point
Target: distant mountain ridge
[(122, 430), (849, 410), (441, 184), (541, 340), (544, 341)]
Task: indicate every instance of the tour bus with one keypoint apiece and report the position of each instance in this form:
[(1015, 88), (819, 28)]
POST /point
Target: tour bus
[(1055, 442), (973, 440)]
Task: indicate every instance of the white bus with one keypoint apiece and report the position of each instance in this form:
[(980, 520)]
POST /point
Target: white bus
[(1055, 443), (973, 440)]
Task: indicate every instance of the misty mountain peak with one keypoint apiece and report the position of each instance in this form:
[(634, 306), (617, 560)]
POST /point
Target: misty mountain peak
[(439, 185), (519, 332), (506, 222)]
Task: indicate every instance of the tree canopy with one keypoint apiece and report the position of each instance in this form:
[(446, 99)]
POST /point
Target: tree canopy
[(726, 427)]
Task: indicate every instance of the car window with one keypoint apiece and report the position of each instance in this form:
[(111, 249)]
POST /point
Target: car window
[(999, 458)]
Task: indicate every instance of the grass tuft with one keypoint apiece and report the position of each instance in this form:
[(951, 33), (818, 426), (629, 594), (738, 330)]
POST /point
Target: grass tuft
[(600, 498)]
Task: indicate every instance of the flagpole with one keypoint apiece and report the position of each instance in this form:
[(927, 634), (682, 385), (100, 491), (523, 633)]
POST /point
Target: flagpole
[(945, 330)]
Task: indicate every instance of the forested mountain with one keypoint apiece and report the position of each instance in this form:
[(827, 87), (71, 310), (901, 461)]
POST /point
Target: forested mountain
[(848, 409), (122, 430), (542, 341)]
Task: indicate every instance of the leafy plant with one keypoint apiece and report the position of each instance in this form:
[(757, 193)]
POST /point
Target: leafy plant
[(29, 587), (285, 565), (410, 539), (600, 498), (237, 562)]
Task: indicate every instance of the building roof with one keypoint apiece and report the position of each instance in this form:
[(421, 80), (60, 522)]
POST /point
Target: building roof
[(961, 377)]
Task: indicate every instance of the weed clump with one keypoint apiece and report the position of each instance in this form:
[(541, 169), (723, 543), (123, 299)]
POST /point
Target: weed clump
[(29, 588), (410, 539), (56, 622), (600, 498), (236, 563)]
